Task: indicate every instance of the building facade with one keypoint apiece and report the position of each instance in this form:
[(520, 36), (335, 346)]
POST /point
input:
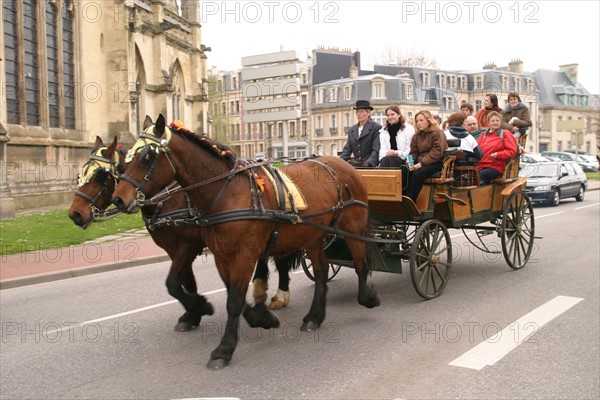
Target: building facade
[(72, 70), (550, 95)]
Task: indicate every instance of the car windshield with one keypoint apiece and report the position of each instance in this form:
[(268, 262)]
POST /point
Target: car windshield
[(538, 170)]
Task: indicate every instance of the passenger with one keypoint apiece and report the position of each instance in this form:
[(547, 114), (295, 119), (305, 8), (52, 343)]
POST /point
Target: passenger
[(516, 114), (394, 139), (445, 125), (490, 103), (498, 145), (467, 108), (427, 149), (363, 138), (473, 127), (457, 129)]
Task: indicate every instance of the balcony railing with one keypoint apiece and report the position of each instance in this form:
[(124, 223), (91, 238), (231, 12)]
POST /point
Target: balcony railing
[(319, 131), (333, 130)]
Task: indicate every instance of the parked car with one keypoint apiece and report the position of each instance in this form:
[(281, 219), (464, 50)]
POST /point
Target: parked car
[(592, 160), (550, 182), (533, 158), (567, 156)]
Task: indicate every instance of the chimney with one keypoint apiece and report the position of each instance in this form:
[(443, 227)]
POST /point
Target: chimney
[(353, 70), (570, 70), (489, 66), (515, 65)]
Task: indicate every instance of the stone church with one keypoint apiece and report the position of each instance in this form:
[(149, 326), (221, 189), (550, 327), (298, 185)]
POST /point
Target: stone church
[(73, 70)]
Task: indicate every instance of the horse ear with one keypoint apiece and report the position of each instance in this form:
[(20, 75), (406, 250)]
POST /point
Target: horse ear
[(159, 127), (99, 143), (110, 150), (147, 122)]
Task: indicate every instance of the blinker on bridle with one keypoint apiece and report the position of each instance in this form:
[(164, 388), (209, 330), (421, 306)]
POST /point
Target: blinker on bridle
[(148, 154)]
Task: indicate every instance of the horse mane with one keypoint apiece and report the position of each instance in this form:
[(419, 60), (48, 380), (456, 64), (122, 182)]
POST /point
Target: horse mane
[(217, 149)]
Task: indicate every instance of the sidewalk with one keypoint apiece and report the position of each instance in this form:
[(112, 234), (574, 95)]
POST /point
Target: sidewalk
[(110, 253)]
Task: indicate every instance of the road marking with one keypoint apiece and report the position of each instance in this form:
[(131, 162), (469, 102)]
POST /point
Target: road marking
[(589, 205), (137, 310), (493, 349), (549, 215)]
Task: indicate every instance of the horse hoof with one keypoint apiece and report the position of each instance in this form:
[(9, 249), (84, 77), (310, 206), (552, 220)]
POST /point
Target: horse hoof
[(208, 309), (276, 305), (217, 364), (260, 317), (185, 326), (310, 326), (372, 302)]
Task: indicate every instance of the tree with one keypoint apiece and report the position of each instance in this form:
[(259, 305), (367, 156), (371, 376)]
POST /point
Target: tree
[(408, 58)]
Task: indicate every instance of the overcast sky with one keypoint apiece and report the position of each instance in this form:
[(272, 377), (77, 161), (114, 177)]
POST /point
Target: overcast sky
[(457, 34)]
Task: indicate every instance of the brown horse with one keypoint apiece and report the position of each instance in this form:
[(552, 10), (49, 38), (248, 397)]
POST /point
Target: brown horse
[(97, 181), (241, 218)]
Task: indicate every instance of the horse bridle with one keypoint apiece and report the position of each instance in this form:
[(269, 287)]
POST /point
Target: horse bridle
[(99, 164), (149, 153)]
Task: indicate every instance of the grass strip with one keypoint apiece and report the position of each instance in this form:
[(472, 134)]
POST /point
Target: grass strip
[(54, 229)]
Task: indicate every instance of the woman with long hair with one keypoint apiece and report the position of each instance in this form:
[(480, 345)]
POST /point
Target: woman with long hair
[(490, 103), (394, 139), (427, 150)]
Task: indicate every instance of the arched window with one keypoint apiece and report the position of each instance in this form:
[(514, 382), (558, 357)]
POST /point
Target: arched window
[(68, 67), (32, 84), (52, 65), (176, 100), (11, 61)]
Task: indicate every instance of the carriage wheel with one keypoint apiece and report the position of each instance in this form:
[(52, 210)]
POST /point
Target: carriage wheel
[(430, 259), (307, 267), (517, 230)]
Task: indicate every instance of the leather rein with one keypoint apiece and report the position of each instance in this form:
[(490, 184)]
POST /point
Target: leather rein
[(256, 212)]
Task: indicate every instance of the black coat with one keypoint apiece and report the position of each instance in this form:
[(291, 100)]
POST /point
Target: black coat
[(365, 148)]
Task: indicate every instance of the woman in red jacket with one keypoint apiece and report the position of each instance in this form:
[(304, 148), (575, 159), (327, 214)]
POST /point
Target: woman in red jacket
[(497, 145)]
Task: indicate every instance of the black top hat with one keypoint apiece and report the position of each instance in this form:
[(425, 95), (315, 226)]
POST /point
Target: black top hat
[(363, 105)]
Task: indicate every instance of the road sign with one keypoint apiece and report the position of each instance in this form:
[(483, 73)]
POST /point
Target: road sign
[(577, 138), (570, 125)]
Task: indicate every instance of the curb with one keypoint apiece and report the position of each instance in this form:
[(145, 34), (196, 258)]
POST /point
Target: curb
[(76, 272)]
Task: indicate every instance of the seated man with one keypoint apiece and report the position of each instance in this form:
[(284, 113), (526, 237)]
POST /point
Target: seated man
[(457, 129)]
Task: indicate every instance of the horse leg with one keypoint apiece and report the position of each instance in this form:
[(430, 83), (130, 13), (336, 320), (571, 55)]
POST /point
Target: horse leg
[(260, 282), (316, 314), (236, 276), (180, 277), (282, 296), (189, 282), (367, 295)]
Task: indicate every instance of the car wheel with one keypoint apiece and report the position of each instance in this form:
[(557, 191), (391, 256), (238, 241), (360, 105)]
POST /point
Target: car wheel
[(555, 199), (581, 194)]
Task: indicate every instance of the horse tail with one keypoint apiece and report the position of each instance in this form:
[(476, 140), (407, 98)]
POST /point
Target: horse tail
[(292, 261)]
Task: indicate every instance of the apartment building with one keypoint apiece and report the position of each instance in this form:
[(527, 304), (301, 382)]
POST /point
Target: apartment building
[(337, 81)]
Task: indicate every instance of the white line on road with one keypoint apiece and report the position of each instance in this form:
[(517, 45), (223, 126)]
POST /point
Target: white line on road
[(137, 310), (493, 349), (589, 205), (549, 215)]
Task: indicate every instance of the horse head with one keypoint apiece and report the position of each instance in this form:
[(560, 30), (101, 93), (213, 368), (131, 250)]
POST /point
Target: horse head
[(96, 182), (149, 166)]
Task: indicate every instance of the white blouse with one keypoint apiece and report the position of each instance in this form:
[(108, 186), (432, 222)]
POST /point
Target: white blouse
[(403, 139)]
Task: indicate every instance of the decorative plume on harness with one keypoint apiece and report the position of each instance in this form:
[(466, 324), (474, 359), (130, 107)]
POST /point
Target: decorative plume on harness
[(204, 141)]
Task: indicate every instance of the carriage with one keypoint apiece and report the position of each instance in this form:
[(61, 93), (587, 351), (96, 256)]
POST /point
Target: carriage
[(418, 232), (248, 211)]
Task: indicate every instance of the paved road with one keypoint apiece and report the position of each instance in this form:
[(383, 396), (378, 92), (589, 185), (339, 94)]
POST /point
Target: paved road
[(110, 335)]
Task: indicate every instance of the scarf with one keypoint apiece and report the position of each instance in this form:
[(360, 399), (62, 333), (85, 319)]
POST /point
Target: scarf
[(393, 131)]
